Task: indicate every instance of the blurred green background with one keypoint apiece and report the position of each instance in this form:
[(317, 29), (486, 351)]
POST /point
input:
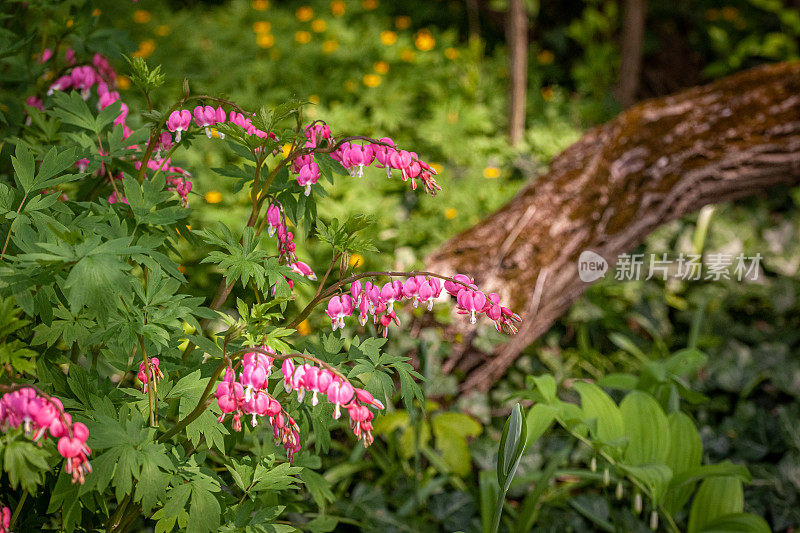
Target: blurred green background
[(434, 76)]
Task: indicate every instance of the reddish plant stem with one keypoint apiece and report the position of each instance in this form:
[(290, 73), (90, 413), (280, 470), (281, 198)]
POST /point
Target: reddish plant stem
[(330, 291)]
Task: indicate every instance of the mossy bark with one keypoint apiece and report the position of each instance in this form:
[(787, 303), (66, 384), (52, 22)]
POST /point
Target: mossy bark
[(657, 161)]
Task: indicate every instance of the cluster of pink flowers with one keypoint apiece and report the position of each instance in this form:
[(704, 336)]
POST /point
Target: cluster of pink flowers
[(378, 301), (286, 246), (83, 78), (249, 395), (207, 117), (340, 392), (304, 166), (470, 301), (39, 415), (155, 374), (355, 157), (5, 520)]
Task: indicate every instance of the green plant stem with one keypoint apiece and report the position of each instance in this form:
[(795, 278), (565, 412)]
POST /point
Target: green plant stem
[(199, 408), (114, 520), (498, 510), (18, 508)]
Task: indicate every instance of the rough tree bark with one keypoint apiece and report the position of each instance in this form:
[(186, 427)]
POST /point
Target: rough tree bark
[(656, 162), (630, 67), (517, 37)]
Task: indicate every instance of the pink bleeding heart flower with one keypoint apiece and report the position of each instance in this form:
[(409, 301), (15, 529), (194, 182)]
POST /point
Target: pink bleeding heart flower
[(179, 121), (366, 397), (69, 447), (273, 218), (454, 288), (472, 302)]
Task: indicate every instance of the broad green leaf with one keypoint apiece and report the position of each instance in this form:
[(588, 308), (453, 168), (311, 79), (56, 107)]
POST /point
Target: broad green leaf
[(539, 418), (647, 427), (701, 472), (685, 453), (737, 523), (546, 385), (599, 405), (451, 431), (715, 498)]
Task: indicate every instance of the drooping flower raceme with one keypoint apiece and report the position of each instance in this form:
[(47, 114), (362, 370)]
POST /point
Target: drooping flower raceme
[(380, 302), (249, 394), (39, 415)]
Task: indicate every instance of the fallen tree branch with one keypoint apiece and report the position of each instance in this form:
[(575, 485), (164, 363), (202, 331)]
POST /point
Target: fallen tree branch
[(659, 160)]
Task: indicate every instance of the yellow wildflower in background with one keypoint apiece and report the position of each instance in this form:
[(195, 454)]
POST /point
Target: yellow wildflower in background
[(213, 197), (408, 55), (355, 260), (303, 328), (70, 22), (381, 67), (329, 46), (302, 36), (314, 99), (369, 4), (265, 40), (319, 25), (350, 86), (545, 57), (424, 41), (96, 12), (337, 8), (260, 5), (162, 30), (146, 48), (372, 80), (262, 26), (451, 53), (124, 83), (304, 14), (548, 93), (388, 37), (286, 148), (402, 22), (141, 16), (436, 167), (450, 213), (491, 172)]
